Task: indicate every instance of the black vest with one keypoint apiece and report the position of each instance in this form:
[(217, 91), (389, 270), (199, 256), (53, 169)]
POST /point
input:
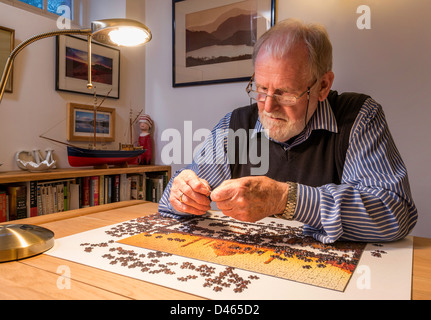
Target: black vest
[(317, 161)]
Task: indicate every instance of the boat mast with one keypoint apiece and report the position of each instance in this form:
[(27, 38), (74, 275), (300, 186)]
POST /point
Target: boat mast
[(95, 112), (132, 122), (94, 120), (130, 126)]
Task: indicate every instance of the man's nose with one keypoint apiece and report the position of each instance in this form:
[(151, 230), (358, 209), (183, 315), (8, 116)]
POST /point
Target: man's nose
[(270, 104)]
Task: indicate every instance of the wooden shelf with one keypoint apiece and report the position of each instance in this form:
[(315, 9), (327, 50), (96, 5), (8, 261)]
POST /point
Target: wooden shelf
[(24, 176)]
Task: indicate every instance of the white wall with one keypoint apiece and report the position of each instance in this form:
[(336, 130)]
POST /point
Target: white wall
[(35, 107), (390, 62), (170, 107)]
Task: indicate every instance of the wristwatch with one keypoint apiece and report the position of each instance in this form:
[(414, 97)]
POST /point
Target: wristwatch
[(289, 210)]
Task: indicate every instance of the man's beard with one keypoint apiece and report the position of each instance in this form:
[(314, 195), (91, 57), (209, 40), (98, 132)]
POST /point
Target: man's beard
[(283, 129)]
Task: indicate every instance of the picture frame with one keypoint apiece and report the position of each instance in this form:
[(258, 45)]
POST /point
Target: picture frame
[(7, 44), (72, 67), (80, 120), (212, 41)]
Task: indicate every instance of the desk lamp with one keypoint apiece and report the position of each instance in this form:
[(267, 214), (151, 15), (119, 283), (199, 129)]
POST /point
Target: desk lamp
[(20, 241)]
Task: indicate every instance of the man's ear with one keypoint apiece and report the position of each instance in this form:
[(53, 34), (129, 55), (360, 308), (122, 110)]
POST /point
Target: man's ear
[(325, 85)]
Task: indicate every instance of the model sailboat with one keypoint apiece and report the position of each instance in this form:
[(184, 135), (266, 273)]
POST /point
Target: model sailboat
[(79, 157)]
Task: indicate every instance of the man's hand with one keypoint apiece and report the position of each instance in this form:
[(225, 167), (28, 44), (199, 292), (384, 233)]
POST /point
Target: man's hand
[(251, 199), (189, 193)]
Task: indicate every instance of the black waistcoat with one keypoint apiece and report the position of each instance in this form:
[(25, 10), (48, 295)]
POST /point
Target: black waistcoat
[(317, 161)]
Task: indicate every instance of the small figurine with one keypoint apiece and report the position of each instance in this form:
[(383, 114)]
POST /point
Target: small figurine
[(145, 125)]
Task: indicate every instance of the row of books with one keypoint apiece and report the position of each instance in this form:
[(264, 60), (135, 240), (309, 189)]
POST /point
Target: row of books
[(36, 198)]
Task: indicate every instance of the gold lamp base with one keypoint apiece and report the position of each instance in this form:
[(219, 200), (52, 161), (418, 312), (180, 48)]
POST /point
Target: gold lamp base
[(20, 241)]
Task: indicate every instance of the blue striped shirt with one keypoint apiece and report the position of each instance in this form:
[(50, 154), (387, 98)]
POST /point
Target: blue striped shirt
[(373, 201)]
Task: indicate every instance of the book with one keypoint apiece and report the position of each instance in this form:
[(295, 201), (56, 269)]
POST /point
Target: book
[(108, 189), (155, 184), (3, 206), (102, 190), (60, 195), (125, 183), (134, 187), (74, 196), (137, 186), (17, 202), (32, 198), (94, 191), (141, 186), (85, 192), (49, 198), (116, 188), (39, 200)]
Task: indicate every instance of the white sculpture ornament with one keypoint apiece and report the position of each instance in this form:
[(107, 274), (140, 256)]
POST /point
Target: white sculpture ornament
[(34, 161)]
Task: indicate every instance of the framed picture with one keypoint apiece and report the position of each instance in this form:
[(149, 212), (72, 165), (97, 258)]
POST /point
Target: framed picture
[(7, 44), (72, 67), (80, 123), (213, 40)]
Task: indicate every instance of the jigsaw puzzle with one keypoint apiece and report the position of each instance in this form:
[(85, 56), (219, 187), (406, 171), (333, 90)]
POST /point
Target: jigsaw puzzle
[(220, 258), (275, 249)]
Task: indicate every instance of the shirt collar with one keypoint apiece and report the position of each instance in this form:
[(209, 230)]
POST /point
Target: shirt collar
[(323, 119)]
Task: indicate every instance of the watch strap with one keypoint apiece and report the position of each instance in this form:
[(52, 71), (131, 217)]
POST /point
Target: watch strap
[(289, 210)]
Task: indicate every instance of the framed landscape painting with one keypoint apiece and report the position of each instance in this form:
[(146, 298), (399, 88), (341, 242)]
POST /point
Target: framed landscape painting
[(72, 67), (80, 123), (213, 40)]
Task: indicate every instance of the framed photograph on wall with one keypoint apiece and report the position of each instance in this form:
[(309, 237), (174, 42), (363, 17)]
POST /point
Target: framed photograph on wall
[(7, 44), (213, 40), (72, 67), (80, 123)]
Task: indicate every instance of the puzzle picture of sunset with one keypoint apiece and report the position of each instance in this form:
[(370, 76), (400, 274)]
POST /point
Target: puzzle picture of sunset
[(271, 250)]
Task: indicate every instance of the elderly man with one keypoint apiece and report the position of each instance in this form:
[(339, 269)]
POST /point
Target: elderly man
[(332, 163)]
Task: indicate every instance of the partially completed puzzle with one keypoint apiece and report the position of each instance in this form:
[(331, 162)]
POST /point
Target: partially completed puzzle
[(274, 249), (218, 257)]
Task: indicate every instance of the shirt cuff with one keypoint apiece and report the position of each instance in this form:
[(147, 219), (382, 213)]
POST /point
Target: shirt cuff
[(308, 206), (169, 212)]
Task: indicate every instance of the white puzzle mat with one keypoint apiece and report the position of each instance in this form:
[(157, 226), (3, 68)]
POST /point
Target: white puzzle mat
[(217, 257)]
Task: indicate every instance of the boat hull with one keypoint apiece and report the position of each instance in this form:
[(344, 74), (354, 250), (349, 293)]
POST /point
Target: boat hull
[(79, 157)]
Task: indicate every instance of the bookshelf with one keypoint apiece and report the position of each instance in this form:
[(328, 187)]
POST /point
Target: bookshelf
[(61, 190)]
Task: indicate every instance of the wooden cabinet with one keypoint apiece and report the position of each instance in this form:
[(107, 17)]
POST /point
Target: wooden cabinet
[(26, 194)]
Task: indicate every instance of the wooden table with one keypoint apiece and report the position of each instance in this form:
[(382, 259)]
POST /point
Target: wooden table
[(37, 277)]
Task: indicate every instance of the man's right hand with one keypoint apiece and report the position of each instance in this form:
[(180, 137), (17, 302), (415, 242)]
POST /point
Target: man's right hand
[(190, 194)]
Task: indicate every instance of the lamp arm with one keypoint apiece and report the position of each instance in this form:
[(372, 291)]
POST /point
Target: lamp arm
[(22, 45)]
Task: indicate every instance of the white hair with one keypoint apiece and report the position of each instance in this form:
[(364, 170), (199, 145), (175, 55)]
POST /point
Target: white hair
[(285, 35)]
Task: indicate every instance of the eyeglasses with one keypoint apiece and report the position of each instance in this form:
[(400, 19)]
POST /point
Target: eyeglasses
[(285, 99)]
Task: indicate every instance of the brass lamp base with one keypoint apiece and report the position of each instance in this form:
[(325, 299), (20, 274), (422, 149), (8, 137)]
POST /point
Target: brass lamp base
[(20, 241)]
